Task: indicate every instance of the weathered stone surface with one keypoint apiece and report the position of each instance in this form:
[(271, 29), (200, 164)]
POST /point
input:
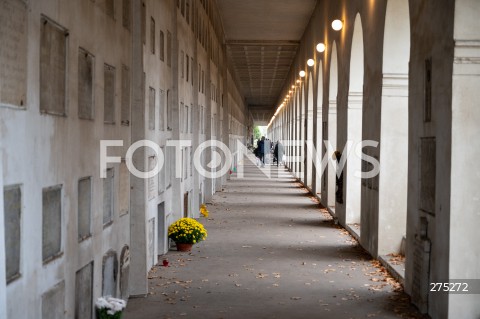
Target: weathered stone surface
[(53, 302), (108, 198), (109, 94), (84, 207), (12, 201), (52, 222), (85, 84), (83, 292), (13, 53), (53, 62)]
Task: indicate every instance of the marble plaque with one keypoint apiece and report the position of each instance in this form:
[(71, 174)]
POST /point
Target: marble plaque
[(13, 53)]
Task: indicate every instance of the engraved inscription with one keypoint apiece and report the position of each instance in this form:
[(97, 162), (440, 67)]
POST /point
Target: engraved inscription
[(427, 174), (53, 49), (13, 53), (85, 85)]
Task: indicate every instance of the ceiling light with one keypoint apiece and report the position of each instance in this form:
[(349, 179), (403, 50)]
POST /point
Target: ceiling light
[(337, 25), (298, 81), (310, 62), (302, 73), (320, 47)]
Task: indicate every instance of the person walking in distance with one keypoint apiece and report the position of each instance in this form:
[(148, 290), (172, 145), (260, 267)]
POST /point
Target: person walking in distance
[(261, 150), (278, 151), (267, 146)]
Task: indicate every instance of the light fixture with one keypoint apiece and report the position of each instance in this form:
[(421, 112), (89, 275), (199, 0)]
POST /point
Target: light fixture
[(310, 62), (293, 86), (320, 47), (337, 25), (298, 81), (302, 73)]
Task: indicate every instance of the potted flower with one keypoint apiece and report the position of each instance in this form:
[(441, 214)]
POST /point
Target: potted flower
[(186, 232), (110, 308), (204, 210)]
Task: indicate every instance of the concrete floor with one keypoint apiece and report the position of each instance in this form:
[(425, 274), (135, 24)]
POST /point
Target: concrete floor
[(271, 252)]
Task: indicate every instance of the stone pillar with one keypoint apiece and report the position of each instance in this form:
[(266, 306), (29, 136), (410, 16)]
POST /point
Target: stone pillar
[(315, 168), (196, 125), (177, 193), (208, 128), (3, 283), (138, 244)]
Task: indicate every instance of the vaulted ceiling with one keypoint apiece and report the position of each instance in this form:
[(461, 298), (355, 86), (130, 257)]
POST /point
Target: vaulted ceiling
[(262, 40)]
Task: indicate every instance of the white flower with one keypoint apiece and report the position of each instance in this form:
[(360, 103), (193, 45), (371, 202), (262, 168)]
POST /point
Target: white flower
[(102, 303), (112, 304)]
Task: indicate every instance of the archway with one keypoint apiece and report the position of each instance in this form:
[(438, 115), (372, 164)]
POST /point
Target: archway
[(319, 145), (354, 130), (332, 127), (309, 133), (302, 128), (394, 129)]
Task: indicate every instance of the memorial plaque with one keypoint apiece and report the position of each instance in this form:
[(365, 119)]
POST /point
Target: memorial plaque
[(427, 107), (12, 202), (84, 292), (427, 174), (109, 94), (84, 207), (152, 187), (169, 48), (85, 84), (162, 46), (109, 274), (151, 109), (110, 8), (161, 174), (51, 222), (53, 61), (108, 184), (126, 14), (421, 267), (151, 243), (13, 53), (125, 111), (152, 35), (53, 302), (124, 189), (161, 111)]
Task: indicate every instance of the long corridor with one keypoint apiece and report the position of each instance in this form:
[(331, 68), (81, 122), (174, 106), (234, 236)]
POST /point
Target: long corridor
[(271, 252)]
